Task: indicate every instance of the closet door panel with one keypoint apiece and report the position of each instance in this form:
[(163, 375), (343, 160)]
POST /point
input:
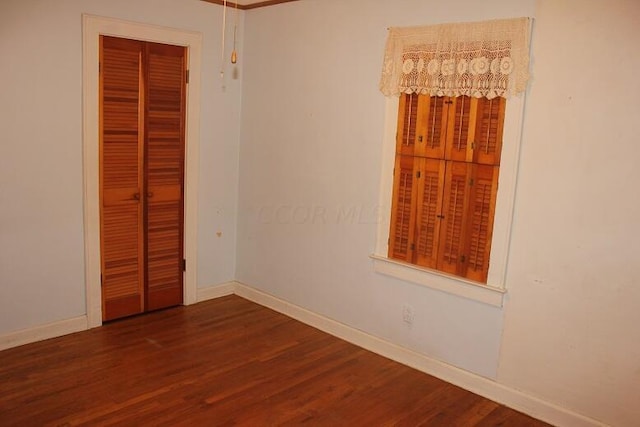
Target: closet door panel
[(165, 104), (121, 178)]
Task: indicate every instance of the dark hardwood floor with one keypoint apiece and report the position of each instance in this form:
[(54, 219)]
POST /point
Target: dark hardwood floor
[(225, 362)]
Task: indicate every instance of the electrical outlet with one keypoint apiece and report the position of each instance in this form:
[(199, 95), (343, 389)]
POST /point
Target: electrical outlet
[(407, 314)]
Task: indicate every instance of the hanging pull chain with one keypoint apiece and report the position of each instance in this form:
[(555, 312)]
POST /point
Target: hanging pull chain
[(234, 54), (224, 28)]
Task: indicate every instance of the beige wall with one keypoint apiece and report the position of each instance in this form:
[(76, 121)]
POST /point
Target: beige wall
[(571, 325), (311, 140), (41, 177)]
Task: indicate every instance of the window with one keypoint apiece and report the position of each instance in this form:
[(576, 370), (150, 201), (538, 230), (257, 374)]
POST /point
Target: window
[(447, 114), (447, 163)]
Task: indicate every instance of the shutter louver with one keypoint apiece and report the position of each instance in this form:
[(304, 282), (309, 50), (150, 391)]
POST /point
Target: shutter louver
[(459, 132), (433, 125), (429, 206), (406, 137), (403, 210), (482, 208), (488, 133), (455, 204)]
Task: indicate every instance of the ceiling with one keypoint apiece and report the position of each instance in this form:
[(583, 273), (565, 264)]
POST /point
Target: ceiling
[(249, 4)]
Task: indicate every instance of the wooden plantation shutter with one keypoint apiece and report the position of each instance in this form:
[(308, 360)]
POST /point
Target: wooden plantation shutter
[(451, 254), (480, 222), (142, 168), (121, 177), (165, 103), (407, 117), (460, 125), (432, 127), (429, 206), (488, 131), (445, 184), (401, 236)]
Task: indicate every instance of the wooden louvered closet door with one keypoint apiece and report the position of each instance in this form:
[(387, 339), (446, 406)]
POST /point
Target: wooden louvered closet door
[(142, 110), (164, 167)]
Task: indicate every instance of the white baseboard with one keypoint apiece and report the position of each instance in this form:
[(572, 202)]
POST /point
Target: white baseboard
[(518, 400), (43, 332), (76, 324), (216, 291)]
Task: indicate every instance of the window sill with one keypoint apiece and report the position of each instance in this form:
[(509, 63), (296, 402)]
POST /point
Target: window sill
[(439, 281)]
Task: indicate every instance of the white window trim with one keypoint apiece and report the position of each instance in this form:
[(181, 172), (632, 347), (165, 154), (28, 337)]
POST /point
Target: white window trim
[(493, 292), (93, 27)]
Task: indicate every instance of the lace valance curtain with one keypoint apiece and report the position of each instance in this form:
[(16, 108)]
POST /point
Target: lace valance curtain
[(478, 59)]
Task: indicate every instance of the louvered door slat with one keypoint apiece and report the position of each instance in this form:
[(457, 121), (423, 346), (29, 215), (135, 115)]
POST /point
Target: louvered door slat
[(121, 178), (451, 255), (429, 206), (481, 210), (402, 232), (165, 171)]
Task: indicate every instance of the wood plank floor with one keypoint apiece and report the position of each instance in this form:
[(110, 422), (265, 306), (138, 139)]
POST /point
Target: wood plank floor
[(225, 362)]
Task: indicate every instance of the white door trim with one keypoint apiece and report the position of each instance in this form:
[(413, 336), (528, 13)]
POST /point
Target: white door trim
[(92, 28)]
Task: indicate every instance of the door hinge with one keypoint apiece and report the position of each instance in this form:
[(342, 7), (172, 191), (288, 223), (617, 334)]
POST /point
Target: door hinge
[(184, 265), (470, 181), (418, 174), (473, 145), (419, 138), (413, 246), (463, 258), (440, 216), (186, 76), (101, 281)]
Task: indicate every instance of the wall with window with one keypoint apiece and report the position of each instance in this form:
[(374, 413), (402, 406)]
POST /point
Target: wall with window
[(311, 143), (41, 179), (311, 150)]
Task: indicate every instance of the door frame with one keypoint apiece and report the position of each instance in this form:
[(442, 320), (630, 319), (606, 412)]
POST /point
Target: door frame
[(92, 27)]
